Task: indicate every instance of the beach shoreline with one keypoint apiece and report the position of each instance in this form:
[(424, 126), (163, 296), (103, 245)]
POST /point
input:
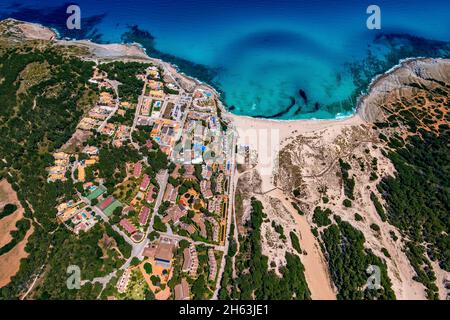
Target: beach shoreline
[(135, 50)]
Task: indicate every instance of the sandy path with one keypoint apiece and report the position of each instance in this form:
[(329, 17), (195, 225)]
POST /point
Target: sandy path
[(316, 268)]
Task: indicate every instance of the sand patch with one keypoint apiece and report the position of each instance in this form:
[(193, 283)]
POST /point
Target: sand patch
[(157, 270), (316, 268), (10, 261), (8, 223)]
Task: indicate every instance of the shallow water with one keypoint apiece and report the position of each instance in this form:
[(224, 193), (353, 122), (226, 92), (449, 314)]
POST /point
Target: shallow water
[(276, 59)]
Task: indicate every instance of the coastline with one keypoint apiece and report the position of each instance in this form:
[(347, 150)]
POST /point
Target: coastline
[(135, 50), (286, 127), (380, 77)]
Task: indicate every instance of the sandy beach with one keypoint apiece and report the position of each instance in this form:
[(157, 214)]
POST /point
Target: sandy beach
[(268, 137)]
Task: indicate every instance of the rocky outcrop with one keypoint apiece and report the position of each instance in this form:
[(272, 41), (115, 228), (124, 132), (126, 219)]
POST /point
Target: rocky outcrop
[(412, 73)]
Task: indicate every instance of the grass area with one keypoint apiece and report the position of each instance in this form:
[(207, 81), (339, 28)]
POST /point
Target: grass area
[(110, 209), (126, 191), (96, 193), (137, 286)]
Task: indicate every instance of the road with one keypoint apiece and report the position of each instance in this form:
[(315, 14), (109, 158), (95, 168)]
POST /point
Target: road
[(230, 213), (136, 114), (115, 86)]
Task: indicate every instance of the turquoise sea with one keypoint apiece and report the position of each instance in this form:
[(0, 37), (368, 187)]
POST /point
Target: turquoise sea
[(280, 59)]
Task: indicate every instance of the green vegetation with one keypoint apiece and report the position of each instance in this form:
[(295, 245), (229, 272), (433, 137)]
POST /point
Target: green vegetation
[(58, 96), (157, 159), (385, 252), (17, 235), (83, 251), (158, 225), (7, 210), (378, 206), (321, 217), (417, 202), (199, 288), (295, 242), (358, 217), (111, 165), (348, 261), (125, 73), (417, 197), (393, 235), (148, 268), (349, 183), (254, 280), (347, 203), (135, 261), (296, 207), (124, 247), (279, 229)]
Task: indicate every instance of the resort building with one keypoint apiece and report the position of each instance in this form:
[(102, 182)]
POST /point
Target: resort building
[(174, 213), (182, 290), (171, 193), (108, 129), (137, 170), (123, 281), (143, 215), (215, 228), (149, 251), (145, 183), (215, 204), (189, 172), (128, 226), (198, 219), (150, 194), (212, 265), (190, 260), (205, 188), (91, 150), (164, 253), (206, 172), (188, 227)]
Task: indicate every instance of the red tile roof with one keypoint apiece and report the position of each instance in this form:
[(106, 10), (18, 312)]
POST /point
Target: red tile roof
[(145, 182), (137, 169), (149, 197), (126, 224), (143, 215)]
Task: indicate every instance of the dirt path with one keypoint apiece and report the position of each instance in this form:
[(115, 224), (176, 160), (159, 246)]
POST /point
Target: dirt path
[(316, 268)]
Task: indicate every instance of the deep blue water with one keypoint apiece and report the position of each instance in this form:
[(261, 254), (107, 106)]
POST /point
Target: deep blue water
[(279, 59)]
